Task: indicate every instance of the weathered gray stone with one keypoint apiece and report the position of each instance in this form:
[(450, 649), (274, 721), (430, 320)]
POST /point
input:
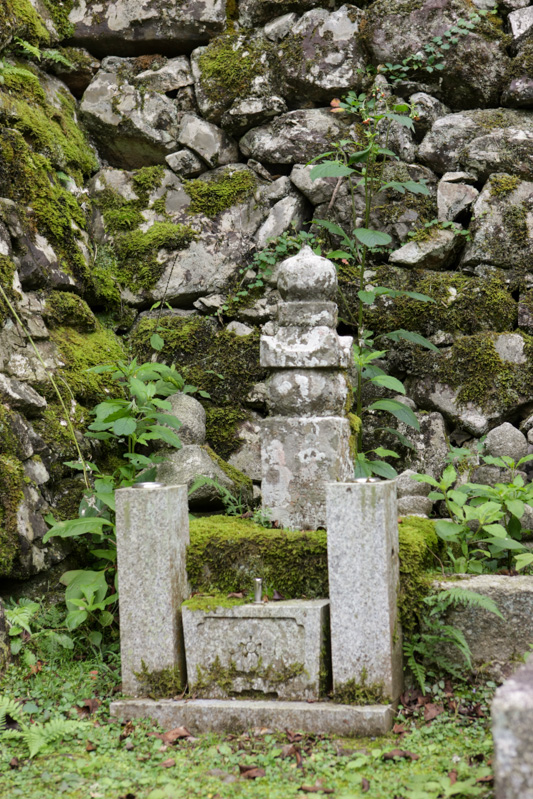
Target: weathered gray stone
[(307, 392), (428, 110), (407, 487), (174, 74), (278, 28), (299, 456), (363, 567), (307, 314), (313, 348), (247, 458), (432, 395), (206, 140), (394, 31), (454, 198), (152, 536), (132, 128), (496, 642), (520, 21), (191, 414), (500, 216), (185, 163), (306, 276), (322, 56), (288, 213), (414, 506), (437, 251), (249, 112), (137, 28), (20, 396), (483, 142), (78, 73), (192, 461), (239, 329), (293, 138), (511, 712), (262, 645), (317, 191), (506, 440), (510, 348), (227, 715)]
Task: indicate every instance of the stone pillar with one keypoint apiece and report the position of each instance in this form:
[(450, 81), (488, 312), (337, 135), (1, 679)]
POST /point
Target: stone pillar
[(152, 526), (306, 440), (363, 565), (512, 711)]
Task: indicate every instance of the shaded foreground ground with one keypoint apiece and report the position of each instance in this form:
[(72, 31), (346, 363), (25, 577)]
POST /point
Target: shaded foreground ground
[(441, 747)]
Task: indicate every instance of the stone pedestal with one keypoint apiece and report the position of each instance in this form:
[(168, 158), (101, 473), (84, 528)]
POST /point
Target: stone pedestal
[(363, 564), (270, 651), (512, 711), (306, 440), (152, 535)]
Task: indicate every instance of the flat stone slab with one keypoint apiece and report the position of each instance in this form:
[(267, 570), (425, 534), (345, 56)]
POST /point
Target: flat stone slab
[(273, 650), (240, 715), (512, 710)]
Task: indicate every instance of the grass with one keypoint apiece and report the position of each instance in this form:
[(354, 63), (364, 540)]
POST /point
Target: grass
[(111, 760)]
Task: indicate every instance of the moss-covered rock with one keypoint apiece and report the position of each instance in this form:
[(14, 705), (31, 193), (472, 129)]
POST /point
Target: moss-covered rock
[(11, 484), (7, 273), (63, 309), (211, 195), (226, 553)]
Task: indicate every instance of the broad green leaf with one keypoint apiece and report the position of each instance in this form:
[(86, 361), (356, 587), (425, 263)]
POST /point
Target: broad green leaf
[(425, 478), (74, 527), (523, 560), (107, 499), (414, 338), (371, 238), (95, 637), (449, 476), (401, 438), (387, 381), (331, 227), (381, 452), (105, 554), (106, 618), (339, 254), (516, 507), (448, 531), (164, 434), (330, 169), (368, 297), (405, 121), (398, 409), (125, 426), (383, 469), (362, 155), (168, 419), (497, 530), (156, 342), (362, 466), (75, 617)]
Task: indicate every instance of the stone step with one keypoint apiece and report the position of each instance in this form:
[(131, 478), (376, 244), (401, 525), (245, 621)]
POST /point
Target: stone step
[(241, 715)]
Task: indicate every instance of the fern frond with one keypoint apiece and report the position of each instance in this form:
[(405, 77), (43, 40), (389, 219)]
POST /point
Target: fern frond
[(38, 736), (462, 596), (9, 707)]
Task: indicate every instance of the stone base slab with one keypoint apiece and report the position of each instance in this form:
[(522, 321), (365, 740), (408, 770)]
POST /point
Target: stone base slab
[(240, 715)]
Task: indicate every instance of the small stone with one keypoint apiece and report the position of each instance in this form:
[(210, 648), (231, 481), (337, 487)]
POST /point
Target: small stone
[(36, 471), (278, 28), (239, 329), (191, 414), (207, 141), (459, 177), (520, 22), (185, 163), (454, 198), (21, 396), (414, 506), (288, 213), (306, 276), (407, 487), (510, 348), (175, 74), (317, 191), (506, 440), (428, 110), (249, 112), (438, 251)]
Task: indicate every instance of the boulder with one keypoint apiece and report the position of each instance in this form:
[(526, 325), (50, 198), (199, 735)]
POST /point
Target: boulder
[(175, 73), (252, 111), (437, 250), (185, 465), (322, 56), (454, 198), (247, 458), (506, 440), (83, 67), (185, 163), (294, 138), (254, 12), (21, 397), (428, 110), (191, 414), (502, 225), (210, 143), (474, 67), (520, 22), (132, 127), (482, 142), (130, 27), (518, 93)]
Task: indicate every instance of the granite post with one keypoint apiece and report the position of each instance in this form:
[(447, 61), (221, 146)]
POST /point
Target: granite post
[(306, 440), (363, 565), (512, 711), (152, 526)]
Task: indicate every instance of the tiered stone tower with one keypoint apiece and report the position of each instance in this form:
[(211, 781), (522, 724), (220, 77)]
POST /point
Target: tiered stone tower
[(306, 439)]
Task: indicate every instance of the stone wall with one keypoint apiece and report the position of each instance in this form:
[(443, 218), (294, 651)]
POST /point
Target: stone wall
[(169, 152)]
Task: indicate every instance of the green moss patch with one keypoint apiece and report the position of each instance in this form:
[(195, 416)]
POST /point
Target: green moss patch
[(80, 352), (226, 553), (11, 483), (210, 197), (7, 273), (229, 65), (19, 18), (138, 266), (65, 309), (221, 424)]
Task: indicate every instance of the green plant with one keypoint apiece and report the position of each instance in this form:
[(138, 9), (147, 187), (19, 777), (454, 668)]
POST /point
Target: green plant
[(484, 525), (425, 231), (362, 164), (44, 628), (36, 736), (427, 651)]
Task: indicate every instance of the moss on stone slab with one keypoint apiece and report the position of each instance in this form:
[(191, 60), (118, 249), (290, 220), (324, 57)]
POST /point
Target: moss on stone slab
[(229, 65), (210, 197), (19, 18), (65, 309), (216, 676), (353, 692), (226, 553), (209, 602), (500, 185), (7, 273), (461, 303), (11, 495), (161, 683)]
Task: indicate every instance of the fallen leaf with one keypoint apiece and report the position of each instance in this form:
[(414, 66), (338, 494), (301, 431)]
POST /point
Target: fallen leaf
[(365, 785), (236, 595), (14, 762), (168, 763), (173, 735), (399, 753), (90, 747), (399, 729), (265, 598), (335, 103), (294, 737), (318, 787), (453, 776), (127, 731), (288, 750), (431, 711), (277, 597), (251, 772), (129, 746), (488, 778), (90, 706)]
